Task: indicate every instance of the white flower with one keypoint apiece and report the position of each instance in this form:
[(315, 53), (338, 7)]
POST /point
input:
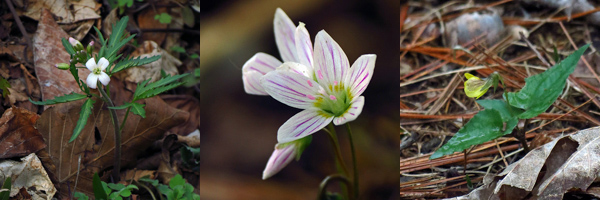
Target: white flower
[(74, 42), (287, 37), (97, 72), (283, 154), (329, 92)]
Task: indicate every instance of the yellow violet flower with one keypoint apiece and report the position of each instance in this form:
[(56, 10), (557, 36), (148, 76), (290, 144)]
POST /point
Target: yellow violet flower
[(475, 87)]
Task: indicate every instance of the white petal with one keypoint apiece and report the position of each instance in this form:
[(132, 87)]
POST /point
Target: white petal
[(284, 36), (360, 74), (292, 89), (330, 61), (280, 158), (352, 113), (91, 64), (103, 63), (91, 80), (304, 46), (104, 79), (297, 68), (262, 63), (252, 85), (303, 124)]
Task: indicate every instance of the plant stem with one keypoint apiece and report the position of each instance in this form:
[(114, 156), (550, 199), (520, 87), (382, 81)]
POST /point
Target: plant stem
[(355, 169), (329, 179), (113, 115), (336, 147), (124, 119), (521, 136)]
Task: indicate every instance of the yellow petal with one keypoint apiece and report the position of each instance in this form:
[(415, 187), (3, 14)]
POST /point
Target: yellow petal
[(470, 76), (474, 87)]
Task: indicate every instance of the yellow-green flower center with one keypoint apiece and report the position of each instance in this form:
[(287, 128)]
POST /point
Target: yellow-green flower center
[(336, 101)]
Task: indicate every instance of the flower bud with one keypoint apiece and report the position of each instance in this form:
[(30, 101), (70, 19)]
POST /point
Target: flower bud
[(62, 66), (76, 44)]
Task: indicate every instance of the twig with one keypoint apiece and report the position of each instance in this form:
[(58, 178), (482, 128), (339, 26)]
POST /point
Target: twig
[(537, 53)]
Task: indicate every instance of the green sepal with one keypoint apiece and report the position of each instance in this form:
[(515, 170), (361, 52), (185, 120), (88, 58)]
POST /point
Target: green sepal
[(61, 99), (86, 111), (542, 90), (302, 144)]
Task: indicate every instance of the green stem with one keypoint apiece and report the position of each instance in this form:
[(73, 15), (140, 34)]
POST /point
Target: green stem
[(329, 179), (124, 119), (147, 188), (353, 161), (113, 115), (336, 147)]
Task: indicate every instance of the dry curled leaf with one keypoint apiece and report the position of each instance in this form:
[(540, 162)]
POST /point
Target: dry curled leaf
[(28, 174), (570, 162), (18, 136)]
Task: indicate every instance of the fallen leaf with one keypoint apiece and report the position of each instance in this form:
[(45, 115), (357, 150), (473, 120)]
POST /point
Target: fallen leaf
[(22, 173), (189, 104), (18, 136), (167, 62), (570, 162), (146, 21), (96, 142), (48, 51), (67, 11), (136, 174)]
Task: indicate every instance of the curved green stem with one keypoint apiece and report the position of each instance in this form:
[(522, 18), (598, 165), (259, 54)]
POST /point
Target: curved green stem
[(329, 179), (113, 115), (336, 147), (355, 169)]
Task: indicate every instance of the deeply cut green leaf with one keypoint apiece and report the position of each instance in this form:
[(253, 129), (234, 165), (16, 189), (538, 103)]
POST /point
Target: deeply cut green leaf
[(543, 89), (136, 108), (61, 99), (484, 126), (145, 90), (68, 46), (86, 111), (127, 63)]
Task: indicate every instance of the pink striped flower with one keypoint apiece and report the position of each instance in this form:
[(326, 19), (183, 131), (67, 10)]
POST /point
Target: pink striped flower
[(284, 154), (287, 36), (329, 92)]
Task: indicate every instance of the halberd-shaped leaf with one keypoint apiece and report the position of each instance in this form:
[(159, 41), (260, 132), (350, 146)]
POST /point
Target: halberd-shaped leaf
[(541, 90), (484, 126)]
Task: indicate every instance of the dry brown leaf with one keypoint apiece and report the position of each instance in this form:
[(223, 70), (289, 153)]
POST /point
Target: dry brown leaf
[(146, 21), (136, 174), (18, 136), (167, 62), (48, 51), (570, 162), (96, 142), (189, 104), (67, 11), (28, 174)]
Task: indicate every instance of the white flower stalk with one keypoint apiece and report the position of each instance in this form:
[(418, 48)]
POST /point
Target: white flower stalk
[(97, 72), (329, 92), (286, 37)]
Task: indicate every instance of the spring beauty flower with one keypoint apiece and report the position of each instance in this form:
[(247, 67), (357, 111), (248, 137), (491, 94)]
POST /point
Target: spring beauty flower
[(329, 93), (262, 63), (97, 72)]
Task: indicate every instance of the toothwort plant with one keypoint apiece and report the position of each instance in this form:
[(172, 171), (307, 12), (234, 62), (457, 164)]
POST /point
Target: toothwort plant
[(320, 81), (104, 65)]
